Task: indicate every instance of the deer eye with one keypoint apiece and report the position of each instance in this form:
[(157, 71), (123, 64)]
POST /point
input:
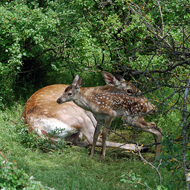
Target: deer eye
[(129, 91), (69, 94)]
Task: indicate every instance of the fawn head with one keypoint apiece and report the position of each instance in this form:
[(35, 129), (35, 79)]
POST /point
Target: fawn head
[(71, 92), (119, 83)]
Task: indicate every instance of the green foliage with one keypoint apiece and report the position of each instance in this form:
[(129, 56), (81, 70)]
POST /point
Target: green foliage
[(172, 159), (33, 141), (40, 36), (24, 37), (44, 42), (134, 181), (13, 178)]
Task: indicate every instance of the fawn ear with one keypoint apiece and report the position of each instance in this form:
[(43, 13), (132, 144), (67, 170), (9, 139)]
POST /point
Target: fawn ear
[(77, 82), (110, 79), (119, 77)]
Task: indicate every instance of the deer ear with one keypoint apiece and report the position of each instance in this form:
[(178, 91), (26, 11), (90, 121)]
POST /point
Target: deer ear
[(75, 80), (79, 82), (110, 79), (119, 77)]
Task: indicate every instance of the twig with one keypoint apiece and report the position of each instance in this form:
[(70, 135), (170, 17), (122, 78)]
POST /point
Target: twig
[(161, 18), (4, 156), (145, 161)]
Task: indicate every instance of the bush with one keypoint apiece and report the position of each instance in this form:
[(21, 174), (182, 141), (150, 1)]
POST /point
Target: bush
[(24, 49), (13, 178), (33, 141)]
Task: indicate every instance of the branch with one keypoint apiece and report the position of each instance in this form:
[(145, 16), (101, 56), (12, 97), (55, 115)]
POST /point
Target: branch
[(161, 18), (185, 135), (4, 156), (145, 161), (150, 28)]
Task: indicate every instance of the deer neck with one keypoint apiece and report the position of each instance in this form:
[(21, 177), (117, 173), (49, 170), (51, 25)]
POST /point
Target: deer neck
[(82, 100)]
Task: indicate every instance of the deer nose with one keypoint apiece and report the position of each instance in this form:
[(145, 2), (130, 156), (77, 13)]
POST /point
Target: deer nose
[(59, 101)]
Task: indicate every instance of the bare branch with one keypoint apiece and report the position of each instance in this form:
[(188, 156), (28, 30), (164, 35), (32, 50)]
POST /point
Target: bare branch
[(156, 168), (161, 15)]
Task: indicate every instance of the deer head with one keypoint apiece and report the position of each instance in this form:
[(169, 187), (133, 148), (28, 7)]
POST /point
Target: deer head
[(121, 85), (71, 93)]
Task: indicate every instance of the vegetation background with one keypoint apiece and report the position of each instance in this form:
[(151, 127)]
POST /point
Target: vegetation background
[(45, 42)]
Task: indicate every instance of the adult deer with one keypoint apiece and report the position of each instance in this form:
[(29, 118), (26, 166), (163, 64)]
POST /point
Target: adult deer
[(107, 105)]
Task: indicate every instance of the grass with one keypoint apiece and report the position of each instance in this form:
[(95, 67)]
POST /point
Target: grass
[(70, 168)]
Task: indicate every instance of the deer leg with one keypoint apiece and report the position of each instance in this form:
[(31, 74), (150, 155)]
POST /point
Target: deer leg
[(104, 136), (158, 138), (74, 138), (89, 132), (157, 132), (91, 116), (95, 138), (150, 128)]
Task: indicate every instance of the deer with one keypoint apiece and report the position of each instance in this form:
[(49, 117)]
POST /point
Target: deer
[(106, 106), (42, 114)]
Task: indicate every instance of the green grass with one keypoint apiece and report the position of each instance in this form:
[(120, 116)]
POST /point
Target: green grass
[(70, 167)]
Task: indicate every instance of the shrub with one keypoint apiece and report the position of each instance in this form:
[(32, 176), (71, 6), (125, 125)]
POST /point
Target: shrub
[(32, 140), (13, 178)]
